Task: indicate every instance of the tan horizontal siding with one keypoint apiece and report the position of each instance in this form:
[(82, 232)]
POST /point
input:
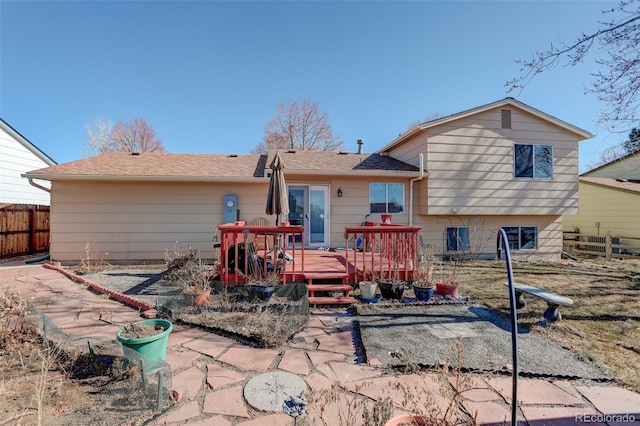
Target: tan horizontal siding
[(410, 152), (141, 221), (616, 210), (471, 167), (484, 230)]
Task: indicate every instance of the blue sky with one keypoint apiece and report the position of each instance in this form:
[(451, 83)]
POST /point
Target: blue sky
[(207, 75)]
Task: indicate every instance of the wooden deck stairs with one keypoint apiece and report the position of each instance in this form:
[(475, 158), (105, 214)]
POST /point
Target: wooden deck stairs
[(329, 282)]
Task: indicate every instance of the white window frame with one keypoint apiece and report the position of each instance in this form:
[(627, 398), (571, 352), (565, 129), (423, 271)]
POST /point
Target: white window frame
[(386, 201), (533, 161)]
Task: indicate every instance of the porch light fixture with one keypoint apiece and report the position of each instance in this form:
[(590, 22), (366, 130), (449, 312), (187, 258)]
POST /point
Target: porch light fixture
[(339, 192)]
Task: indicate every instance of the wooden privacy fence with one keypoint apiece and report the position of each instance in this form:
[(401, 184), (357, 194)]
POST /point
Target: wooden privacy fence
[(605, 245), (24, 229)]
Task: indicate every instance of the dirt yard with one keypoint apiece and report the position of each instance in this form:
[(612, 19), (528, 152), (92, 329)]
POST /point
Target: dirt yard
[(41, 384), (603, 324)]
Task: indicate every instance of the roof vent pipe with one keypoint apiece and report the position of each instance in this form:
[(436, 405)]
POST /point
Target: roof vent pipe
[(360, 143)]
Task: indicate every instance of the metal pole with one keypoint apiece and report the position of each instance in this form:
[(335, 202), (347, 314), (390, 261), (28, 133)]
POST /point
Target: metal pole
[(502, 238)]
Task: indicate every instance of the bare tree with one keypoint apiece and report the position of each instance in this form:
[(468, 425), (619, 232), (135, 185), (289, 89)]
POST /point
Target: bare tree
[(430, 117), (607, 156), (299, 126), (619, 85), (616, 152), (99, 136), (135, 135)]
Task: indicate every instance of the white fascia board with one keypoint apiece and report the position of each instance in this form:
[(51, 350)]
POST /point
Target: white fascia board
[(56, 177)]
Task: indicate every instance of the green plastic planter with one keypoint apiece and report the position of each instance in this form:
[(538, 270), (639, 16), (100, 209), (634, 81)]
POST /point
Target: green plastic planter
[(152, 348)]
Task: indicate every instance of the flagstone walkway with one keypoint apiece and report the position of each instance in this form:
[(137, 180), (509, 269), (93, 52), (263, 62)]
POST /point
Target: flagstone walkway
[(210, 371)]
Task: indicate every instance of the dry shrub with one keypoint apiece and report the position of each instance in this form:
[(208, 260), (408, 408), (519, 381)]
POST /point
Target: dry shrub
[(443, 408), (185, 267), (91, 260)]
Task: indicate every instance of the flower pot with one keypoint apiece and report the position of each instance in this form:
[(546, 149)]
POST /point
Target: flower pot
[(447, 289), (260, 292), (423, 294), (391, 290), (368, 289), (406, 419), (152, 348), (196, 298)]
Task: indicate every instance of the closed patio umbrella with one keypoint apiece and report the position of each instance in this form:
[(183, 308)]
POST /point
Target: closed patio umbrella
[(277, 198)]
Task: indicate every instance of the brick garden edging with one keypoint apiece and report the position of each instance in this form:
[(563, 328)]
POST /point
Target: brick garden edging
[(122, 298)]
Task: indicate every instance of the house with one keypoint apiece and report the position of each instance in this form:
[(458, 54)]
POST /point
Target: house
[(627, 167), (17, 156), (607, 205), (610, 202), (460, 177)]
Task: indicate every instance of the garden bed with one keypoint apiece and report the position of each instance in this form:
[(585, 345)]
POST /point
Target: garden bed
[(260, 323)]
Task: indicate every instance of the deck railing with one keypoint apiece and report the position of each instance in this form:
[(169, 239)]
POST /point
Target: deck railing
[(251, 252), (382, 251)]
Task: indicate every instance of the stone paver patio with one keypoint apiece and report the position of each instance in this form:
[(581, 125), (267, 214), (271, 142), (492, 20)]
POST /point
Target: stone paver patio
[(210, 371)]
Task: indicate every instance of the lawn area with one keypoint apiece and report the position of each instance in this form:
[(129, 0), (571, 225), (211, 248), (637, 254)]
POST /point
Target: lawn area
[(602, 325)]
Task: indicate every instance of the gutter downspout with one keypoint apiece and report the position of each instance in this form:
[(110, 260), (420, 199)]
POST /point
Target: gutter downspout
[(413, 180), (32, 183)]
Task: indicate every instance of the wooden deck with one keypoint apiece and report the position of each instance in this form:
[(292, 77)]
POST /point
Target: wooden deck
[(383, 251)]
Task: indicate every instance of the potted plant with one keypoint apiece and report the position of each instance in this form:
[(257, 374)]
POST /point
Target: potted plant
[(447, 283), (423, 278), (147, 338), (194, 276), (263, 287), (393, 287), (368, 286), (406, 419)]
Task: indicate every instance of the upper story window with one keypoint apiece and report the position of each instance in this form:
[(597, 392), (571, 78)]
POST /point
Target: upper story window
[(386, 197), (506, 119), (533, 161)]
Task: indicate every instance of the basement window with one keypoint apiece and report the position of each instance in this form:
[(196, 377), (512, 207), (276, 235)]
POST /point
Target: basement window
[(458, 238), (522, 237)]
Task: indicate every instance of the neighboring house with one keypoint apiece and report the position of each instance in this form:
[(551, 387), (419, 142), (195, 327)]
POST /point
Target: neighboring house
[(18, 156), (504, 164), (627, 167), (609, 200), (607, 205)]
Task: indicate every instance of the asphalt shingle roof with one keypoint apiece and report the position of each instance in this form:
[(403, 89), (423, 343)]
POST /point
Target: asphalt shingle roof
[(335, 162), (146, 164), (629, 185), (219, 166)]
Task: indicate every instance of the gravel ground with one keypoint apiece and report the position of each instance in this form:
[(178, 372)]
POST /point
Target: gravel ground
[(425, 333), (145, 284)]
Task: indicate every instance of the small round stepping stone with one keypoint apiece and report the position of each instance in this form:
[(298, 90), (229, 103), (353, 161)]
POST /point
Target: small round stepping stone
[(267, 391)]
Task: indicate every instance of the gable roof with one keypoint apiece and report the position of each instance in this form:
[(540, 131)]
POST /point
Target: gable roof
[(26, 143), (155, 166), (624, 184), (630, 161), (340, 163), (583, 134), (147, 166)]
